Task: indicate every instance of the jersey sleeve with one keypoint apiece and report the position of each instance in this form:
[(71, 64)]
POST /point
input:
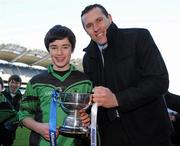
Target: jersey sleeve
[(29, 103)]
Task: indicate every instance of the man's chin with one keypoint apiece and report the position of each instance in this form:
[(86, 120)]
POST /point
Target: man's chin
[(102, 42)]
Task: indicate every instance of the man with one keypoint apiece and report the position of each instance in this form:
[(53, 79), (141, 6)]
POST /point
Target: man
[(9, 105), (130, 77), (35, 107), (173, 104)]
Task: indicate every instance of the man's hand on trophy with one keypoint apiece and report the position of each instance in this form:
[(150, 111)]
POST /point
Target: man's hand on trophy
[(104, 97), (84, 118)]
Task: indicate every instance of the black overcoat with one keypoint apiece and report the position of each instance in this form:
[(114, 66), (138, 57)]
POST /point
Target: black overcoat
[(135, 71)]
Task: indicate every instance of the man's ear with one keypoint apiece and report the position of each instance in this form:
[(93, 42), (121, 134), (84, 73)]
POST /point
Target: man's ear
[(110, 17)]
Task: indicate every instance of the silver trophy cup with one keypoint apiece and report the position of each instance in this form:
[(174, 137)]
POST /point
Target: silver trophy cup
[(71, 103)]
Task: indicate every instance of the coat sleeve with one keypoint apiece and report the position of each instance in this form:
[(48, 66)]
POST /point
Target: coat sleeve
[(152, 81)]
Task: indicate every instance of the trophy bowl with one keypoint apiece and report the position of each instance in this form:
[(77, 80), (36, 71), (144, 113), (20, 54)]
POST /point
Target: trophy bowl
[(71, 103)]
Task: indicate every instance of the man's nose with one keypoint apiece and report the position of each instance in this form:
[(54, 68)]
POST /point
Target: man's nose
[(96, 27)]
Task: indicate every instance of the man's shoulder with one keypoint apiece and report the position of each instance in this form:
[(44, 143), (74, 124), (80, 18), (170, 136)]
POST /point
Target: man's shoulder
[(133, 30), (133, 34)]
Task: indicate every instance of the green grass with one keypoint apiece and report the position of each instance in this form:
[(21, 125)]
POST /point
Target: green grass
[(22, 137)]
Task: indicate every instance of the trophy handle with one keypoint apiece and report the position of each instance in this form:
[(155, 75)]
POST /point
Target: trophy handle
[(90, 102)]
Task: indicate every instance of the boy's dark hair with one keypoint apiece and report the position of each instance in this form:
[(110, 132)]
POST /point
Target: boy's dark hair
[(59, 32), (15, 78), (1, 82), (90, 7)]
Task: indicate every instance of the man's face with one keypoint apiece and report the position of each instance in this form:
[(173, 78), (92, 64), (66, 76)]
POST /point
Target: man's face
[(96, 24), (60, 52), (14, 86)]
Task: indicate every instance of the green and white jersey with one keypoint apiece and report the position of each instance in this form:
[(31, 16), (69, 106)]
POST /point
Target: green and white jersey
[(37, 98)]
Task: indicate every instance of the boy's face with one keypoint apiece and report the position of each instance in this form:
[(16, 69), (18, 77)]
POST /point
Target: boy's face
[(60, 52), (14, 86)]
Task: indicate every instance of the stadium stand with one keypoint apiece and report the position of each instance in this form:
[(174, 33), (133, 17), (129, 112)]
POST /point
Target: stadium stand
[(15, 59), (26, 73)]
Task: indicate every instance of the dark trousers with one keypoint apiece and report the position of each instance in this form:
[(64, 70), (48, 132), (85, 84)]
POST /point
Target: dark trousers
[(6, 137)]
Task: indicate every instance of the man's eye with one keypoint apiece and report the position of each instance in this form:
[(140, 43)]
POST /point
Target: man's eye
[(99, 19), (88, 25)]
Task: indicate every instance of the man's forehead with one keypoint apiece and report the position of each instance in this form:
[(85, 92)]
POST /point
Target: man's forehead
[(93, 13)]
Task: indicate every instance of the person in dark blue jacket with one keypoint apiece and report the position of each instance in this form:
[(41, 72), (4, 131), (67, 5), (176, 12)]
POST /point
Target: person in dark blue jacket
[(130, 78)]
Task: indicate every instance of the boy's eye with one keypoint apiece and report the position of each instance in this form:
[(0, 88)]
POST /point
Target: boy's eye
[(65, 47)]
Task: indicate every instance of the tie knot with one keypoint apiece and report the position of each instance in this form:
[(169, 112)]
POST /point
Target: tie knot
[(102, 47)]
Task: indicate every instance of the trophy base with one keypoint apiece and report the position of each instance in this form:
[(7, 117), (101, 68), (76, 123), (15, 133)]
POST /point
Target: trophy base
[(73, 130)]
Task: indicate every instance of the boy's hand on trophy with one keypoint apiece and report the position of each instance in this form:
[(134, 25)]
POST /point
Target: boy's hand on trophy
[(84, 118)]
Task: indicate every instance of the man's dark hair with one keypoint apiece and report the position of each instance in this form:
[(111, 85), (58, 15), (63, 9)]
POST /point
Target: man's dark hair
[(90, 7), (1, 82), (15, 78), (59, 32)]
